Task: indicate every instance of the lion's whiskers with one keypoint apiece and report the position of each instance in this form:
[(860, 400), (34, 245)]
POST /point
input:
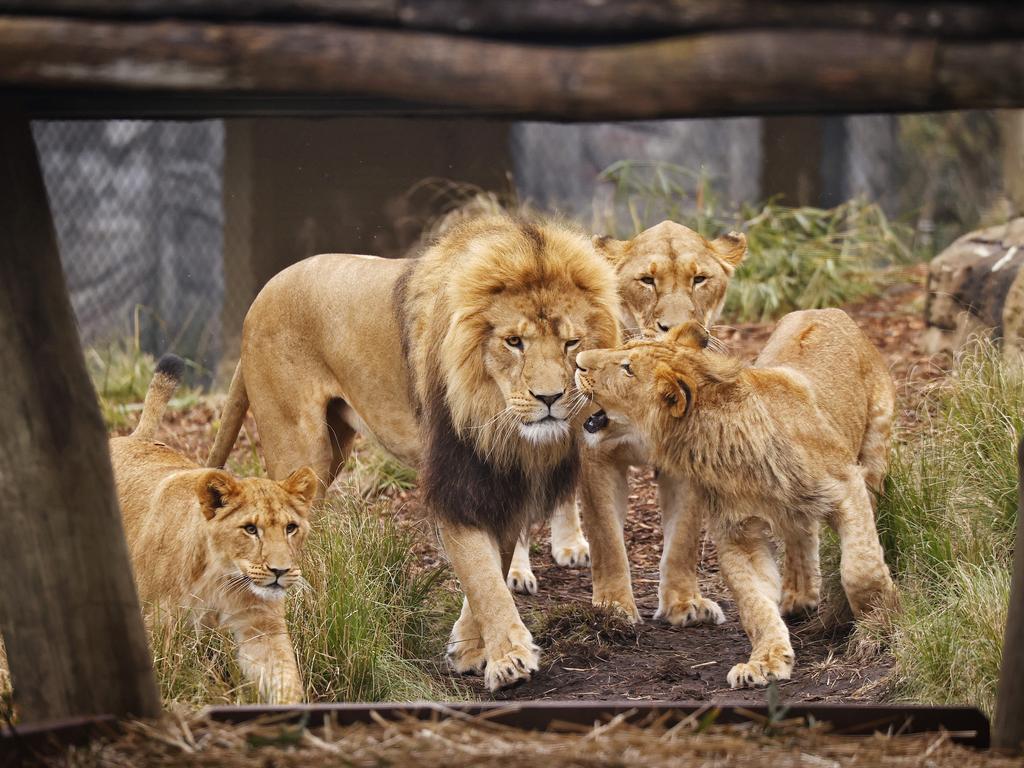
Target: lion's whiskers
[(500, 414), (717, 345), (503, 430), (234, 583)]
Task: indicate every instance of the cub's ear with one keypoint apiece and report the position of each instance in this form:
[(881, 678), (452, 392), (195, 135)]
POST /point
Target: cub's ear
[(612, 249), (303, 483), (674, 390), (730, 248), (214, 489), (689, 335)]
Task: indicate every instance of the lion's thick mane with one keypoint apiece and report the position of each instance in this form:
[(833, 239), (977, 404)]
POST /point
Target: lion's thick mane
[(475, 473)]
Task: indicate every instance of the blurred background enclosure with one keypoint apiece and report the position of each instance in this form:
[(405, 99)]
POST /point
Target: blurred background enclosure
[(168, 229)]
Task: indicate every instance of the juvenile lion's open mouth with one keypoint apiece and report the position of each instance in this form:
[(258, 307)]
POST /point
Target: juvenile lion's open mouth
[(596, 422)]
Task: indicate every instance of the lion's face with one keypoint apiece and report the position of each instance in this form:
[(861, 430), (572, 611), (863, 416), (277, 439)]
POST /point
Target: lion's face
[(530, 354), (647, 380), (522, 300), (669, 274), (257, 528)]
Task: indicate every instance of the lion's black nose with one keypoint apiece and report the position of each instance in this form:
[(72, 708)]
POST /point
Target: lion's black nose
[(278, 572), (548, 400)]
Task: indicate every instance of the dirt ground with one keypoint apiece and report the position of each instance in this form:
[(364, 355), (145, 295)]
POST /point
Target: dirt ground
[(657, 661)]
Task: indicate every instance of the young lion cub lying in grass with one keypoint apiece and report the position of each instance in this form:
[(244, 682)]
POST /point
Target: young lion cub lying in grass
[(223, 547), (800, 437)]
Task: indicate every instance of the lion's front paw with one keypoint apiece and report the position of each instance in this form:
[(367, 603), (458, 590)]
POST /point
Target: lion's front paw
[(776, 663), (519, 659), (285, 691), (688, 613), (521, 579), (571, 554), (798, 604)]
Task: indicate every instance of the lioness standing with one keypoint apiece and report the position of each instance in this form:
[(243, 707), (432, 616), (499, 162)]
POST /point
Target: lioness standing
[(459, 362), (223, 547), (800, 437)]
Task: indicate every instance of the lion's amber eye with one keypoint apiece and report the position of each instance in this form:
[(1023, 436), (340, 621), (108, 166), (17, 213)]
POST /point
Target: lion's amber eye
[(647, 280), (698, 279), (291, 528), (514, 341), (626, 369), (571, 344), (250, 529)]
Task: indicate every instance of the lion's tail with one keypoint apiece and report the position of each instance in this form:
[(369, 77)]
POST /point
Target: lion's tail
[(230, 420), (166, 379)]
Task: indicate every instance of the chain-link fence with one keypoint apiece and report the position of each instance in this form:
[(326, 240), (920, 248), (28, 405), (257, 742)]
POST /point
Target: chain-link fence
[(139, 216), (168, 229)]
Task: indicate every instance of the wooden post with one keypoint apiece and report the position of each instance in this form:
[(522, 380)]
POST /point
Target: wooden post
[(1008, 732), (69, 612)]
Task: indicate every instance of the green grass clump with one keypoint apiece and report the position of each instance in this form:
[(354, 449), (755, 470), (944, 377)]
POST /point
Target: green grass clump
[(798, 257), (947, 520), (810, 258), (368, 627), (370, 623)]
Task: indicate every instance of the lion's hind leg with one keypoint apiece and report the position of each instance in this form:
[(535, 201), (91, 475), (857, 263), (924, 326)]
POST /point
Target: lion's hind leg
[(569, 547), (294, 432), (801, 580), (466, 652), (863, 571), (874, 448), (520, 576)]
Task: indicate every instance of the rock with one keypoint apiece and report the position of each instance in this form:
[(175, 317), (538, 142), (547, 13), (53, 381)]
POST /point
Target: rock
[(974, 290)]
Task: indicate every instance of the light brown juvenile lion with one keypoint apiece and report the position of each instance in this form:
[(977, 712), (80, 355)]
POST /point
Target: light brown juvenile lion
[(666, 275), (460, 363), (224, 548), (800, 437)]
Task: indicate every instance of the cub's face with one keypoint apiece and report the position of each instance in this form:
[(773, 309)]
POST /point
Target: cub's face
[(257, 528), (530, 352), (669, 274), (646, 380)]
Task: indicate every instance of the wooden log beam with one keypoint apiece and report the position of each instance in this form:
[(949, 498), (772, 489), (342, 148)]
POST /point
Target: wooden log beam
[(732, 73), (1008, 729), (577, 18), (69, 614)]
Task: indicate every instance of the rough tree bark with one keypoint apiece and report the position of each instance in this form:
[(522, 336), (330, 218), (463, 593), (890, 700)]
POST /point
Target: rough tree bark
[(579, 18), (726, 73), (69, 613)]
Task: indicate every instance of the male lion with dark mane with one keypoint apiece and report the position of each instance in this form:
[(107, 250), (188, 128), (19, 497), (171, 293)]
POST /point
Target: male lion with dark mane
[(798, 438), (459, 362)]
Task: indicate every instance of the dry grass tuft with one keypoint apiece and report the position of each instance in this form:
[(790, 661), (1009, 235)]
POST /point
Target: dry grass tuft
[(583, 631), (461, 740)]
